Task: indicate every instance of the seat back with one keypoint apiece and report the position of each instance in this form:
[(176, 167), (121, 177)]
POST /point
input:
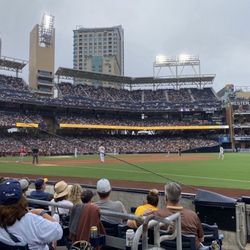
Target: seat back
[(211, 233), (64, 221), (111, 228), (188, 243)]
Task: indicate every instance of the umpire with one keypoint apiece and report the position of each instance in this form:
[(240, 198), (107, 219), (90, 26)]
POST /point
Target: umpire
[(35, 155)]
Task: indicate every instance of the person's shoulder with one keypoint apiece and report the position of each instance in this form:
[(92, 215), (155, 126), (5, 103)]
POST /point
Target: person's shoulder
[(91, 205), (118, 203), (30, 217), (65, 202), (163, 212), (189, 212), (32, 192)]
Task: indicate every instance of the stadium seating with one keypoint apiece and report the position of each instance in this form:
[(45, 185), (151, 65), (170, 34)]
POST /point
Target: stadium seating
[(110, 98), (188, 243)]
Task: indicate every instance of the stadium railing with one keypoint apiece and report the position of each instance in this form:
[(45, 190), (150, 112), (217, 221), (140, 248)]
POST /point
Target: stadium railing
[(141, 232)]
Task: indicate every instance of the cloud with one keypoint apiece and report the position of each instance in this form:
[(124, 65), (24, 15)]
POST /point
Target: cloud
[(216, 30)]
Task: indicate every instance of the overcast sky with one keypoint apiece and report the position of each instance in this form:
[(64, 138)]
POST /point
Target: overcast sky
[(215, 30)]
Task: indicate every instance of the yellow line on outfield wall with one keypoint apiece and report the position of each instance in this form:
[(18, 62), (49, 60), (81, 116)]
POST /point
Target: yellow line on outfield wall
[(27, 125), (94, 126)]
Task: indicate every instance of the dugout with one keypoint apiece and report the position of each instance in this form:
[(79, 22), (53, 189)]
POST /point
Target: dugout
[(213, 208)]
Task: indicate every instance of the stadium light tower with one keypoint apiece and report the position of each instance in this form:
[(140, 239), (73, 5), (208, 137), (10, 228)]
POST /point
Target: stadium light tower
[(42, 56), (46, 30), (176, 65), (183, 65)]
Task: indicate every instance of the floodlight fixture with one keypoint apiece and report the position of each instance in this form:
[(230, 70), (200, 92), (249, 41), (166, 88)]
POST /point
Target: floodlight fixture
[(46, 30), (188, 59), (160, 59), (184, 57), (47, 21)]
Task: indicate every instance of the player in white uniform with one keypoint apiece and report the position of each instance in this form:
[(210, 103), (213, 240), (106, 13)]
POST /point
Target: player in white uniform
[(75, 153), (101, 153), (221, 153)]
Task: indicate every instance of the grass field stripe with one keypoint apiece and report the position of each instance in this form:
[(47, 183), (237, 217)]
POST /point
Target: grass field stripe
[(175, 175), (164, 174)]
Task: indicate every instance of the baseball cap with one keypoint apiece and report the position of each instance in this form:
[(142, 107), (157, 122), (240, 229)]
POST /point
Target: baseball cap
[(103, 186), (10, 192), (40, 181), (24, 182)]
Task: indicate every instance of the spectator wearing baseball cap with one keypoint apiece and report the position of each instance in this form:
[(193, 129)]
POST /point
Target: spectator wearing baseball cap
[(103, 189), (61, 194), (24, 183), (26, 226), (39, 193)]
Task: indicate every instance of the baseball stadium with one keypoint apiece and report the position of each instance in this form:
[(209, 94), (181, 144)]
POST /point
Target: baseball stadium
[(165, 128)]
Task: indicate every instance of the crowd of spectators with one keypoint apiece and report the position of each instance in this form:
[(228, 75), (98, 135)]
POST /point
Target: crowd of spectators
[(58, 145), (12, 82), (91, 97), (9, 119), (184, 95), (131, 121)]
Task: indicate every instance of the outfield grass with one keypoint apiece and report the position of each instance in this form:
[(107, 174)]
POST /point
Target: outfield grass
[(232, 172)]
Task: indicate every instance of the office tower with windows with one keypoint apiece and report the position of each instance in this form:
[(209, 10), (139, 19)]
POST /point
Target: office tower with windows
[(99, 50)]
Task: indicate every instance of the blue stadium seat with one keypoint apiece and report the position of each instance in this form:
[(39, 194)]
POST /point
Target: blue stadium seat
[(188, 243), (211, 233), (110, 228)]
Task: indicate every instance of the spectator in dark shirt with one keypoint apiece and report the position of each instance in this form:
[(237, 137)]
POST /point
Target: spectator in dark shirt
[(40, 194)]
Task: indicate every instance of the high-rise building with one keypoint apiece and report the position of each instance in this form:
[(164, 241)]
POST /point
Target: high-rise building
[(99, 50)]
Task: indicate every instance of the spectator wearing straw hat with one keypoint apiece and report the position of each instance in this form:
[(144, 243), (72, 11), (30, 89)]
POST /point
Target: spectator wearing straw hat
[(61, 194)]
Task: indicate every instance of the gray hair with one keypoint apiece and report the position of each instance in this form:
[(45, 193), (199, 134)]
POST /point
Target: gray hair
[(173, 192)]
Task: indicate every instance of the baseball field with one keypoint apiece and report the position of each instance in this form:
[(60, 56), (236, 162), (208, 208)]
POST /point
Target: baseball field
[(231, 175)]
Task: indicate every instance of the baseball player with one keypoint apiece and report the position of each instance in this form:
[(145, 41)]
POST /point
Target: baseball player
[(221, 153), (22, 153), (101, 153)]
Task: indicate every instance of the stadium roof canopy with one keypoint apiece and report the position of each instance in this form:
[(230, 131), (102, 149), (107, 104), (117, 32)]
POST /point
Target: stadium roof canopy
[(195, 79), (12, 64)]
